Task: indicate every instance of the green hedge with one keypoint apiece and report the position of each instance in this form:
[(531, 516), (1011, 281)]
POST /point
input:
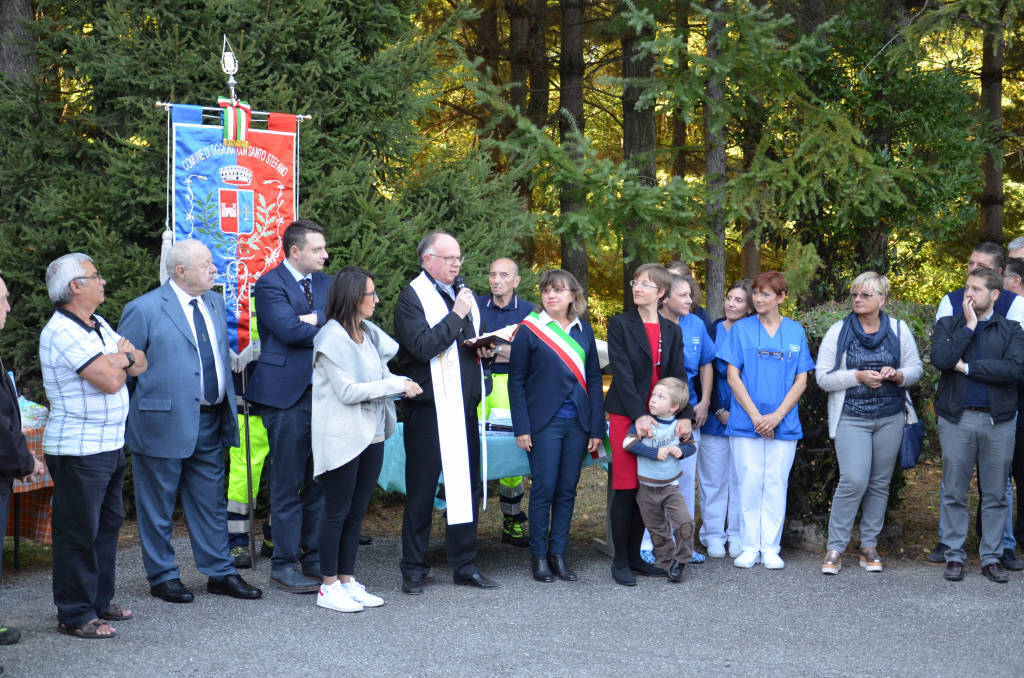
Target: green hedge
[(816, 469)]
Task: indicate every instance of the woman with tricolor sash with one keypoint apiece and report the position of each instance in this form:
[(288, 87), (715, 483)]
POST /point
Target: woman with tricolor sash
[(643, 347), (554, 388)]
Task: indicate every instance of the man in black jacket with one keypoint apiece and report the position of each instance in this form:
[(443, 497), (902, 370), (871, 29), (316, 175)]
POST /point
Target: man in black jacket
[(15, 459), (981, 355)]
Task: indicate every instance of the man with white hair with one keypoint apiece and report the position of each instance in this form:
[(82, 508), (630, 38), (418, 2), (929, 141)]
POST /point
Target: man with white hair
[(181, 418), (1015, 250), (85, 366)]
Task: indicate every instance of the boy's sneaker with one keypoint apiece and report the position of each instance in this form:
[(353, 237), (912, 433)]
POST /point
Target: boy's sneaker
[(513, 530), (647, 555), (334, 597), (697, 557), (358, 593)]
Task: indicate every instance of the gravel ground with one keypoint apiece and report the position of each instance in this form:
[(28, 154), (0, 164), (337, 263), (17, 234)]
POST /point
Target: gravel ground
[(906, 621)]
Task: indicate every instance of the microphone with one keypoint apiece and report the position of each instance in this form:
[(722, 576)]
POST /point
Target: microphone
[(458, 285)]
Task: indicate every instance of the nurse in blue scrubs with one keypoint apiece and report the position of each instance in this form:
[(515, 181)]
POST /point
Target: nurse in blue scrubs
[(719, 493), (768, 362)]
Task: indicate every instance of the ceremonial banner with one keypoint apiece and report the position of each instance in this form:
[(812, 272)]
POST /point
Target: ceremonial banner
[(236, 199)]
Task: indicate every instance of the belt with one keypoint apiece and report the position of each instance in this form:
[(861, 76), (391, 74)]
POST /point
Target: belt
[(976, 409), (210, 409)]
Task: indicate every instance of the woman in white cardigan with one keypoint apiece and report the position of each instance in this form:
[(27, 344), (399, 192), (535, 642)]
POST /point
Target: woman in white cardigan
[(353, 413), (866, 361)]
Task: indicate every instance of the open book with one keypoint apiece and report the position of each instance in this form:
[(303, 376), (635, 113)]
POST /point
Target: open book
[(492, 339)]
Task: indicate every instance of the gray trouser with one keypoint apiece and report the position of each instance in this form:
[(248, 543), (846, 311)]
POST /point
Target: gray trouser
[(975, 440), (867, 450)]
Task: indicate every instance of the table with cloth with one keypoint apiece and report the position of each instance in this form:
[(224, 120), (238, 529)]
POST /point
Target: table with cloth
[(32, 502)]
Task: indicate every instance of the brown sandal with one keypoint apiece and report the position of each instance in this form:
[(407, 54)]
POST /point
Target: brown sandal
[(89, 630), (116, 613)]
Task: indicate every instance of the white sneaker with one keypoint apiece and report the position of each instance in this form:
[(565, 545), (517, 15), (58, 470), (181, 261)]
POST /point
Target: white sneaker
[(716, 548), (772, 561), (334, 597), (746, 560), (358, 593), (734, 548)]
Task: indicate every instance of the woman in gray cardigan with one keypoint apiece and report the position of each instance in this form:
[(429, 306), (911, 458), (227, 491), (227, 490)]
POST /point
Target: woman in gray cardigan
[(353, 413), (866, 361)]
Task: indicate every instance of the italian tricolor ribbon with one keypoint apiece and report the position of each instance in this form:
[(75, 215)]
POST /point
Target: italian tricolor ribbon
[(236, 121), (564, 346)]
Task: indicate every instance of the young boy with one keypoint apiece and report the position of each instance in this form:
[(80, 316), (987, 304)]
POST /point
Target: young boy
[(662, 506)]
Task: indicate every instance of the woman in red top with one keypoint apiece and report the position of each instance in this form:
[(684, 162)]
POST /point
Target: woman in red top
[(643, 347)]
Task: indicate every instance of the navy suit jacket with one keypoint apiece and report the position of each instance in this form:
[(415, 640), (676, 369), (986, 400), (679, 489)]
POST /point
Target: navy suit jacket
[(163, 414), (285, 366), (539, 382)]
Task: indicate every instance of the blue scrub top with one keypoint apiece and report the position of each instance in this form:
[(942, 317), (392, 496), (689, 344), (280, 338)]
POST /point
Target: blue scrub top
[(768, 367), (712, 426), (698, 349)]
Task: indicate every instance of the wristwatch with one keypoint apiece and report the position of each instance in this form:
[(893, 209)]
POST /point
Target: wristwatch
[(131, 360)]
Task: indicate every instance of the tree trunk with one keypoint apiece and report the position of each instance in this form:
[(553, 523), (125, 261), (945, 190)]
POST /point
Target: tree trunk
[(714, 170), (679, 162), (991, 203), (15, 57), (638, 145), (574, 256), (537, 97)]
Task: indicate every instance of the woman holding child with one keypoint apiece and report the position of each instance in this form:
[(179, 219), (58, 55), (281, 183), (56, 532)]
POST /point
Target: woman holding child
[(643, 347), (866, 361), (768, 362), (559, 417), (353, 413)]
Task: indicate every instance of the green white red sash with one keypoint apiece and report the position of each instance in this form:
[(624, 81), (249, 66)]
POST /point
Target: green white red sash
[(565, 347), (236, 121)]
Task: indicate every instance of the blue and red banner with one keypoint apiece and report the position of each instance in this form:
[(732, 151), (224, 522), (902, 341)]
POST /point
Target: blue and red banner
[(236, 200)]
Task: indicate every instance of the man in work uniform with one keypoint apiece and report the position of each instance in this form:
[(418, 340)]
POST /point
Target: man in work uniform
[(500, 308)]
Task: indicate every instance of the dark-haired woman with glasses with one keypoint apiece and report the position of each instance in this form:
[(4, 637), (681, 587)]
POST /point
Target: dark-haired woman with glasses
[(353, 413), (768, 362)]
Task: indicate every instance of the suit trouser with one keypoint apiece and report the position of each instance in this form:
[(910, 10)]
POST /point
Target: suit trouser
[(975, 440), (422, 470), (296, 502), (555, 463), (719, 494), (5, 506), (200, 479), (762, 467), (87, 514), (867, 451)]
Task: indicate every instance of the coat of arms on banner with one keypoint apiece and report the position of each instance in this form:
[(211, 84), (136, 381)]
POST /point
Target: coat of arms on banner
[(237, 200)]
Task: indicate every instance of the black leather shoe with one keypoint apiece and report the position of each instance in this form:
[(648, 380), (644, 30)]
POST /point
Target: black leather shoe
[(560, 569), (412, 585), (232, 585), (623, 575), (477, 580), (172, 590), (938, 554), (365, 540), (995, 572), (954, 571), (1010, 560), (647, 570), (675, 571), (541, 571)]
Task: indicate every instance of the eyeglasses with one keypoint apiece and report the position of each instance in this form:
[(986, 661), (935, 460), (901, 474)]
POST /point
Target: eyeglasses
[(94, 276), (451, 261), (372, 293), (769, 355), (645, 285)]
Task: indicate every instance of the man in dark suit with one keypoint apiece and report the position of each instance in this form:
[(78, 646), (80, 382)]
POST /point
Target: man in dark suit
[(15, 459), (290, 303), (432, 319), (180, 419)]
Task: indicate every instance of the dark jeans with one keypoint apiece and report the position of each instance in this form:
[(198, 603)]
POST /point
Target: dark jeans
[(347, 491), (87, 514), (555, 462), (5, 506), (422, 470), (1017, 471), (296, 502)]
